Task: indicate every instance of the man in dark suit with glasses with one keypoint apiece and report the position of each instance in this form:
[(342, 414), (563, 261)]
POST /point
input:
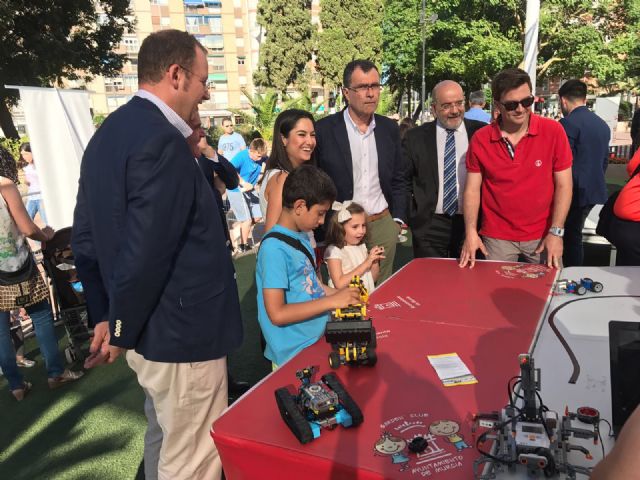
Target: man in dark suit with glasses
[(361, 153), (519, 173)]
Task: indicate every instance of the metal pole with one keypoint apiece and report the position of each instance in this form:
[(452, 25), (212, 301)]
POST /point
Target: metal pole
[(532, 24), (422, 26)]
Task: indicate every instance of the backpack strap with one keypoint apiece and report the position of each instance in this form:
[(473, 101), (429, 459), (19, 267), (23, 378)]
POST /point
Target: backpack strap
[(292, 242)]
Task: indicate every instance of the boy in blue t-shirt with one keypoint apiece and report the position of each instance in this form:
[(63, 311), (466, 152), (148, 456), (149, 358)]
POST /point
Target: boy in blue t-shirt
[(243, 199), (293, 304)]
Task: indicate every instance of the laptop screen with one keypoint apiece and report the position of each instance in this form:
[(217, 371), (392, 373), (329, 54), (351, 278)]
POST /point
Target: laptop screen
[(624, 351)]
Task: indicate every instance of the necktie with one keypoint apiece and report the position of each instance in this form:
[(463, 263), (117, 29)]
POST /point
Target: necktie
[(450, 184)]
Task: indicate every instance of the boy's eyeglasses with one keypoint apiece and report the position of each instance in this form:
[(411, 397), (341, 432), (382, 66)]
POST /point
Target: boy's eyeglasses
[(512, 105)]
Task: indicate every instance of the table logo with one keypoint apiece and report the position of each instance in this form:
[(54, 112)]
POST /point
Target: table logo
[(444, 444)]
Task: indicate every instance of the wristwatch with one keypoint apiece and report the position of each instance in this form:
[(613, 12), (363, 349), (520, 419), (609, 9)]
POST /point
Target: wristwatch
[(557, 231)]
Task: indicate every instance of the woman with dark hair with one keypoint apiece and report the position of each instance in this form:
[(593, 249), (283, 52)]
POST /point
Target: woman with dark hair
[(294, 140), (31, 293), (34, 197)]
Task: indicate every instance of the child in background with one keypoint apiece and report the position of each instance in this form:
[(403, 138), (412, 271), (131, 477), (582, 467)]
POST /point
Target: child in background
[(293, 304), (243, 199), (346, 254)]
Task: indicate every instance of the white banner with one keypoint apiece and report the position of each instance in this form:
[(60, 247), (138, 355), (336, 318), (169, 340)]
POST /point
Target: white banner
[(59, 126)]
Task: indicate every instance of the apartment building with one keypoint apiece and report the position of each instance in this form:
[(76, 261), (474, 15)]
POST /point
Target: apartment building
[(229, 30)]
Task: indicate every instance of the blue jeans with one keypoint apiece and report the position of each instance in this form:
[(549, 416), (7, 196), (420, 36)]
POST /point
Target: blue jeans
[(35, 206), (43, 325)]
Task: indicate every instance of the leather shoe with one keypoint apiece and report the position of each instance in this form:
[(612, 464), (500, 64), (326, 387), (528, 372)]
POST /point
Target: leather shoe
[(20, 393), (237, 388)]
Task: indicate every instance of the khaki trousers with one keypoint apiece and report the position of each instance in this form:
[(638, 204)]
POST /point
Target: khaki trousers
[(187, 398), (384, 232), (508, 251)]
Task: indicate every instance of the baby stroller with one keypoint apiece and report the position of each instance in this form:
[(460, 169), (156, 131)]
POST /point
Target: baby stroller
[(68, 297)]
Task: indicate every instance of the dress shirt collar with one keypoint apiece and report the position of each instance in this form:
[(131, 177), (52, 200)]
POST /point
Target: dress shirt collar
[(172, 117), (349, 122)]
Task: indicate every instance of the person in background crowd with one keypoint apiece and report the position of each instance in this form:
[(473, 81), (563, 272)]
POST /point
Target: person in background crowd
[(230, 142), (635, 131), (244, 199), (436, 154), (406, 124), (34, 196), (361, 152), (519, 173), (151, 254), (476, 108), (15, 225), (589, 138), (625, 225)]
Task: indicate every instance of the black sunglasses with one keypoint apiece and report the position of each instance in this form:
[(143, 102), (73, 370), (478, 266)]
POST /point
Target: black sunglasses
[(512, 105)]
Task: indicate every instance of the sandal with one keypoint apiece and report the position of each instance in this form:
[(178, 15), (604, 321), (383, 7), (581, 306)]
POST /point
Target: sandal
[(25, 363), (20, 393)]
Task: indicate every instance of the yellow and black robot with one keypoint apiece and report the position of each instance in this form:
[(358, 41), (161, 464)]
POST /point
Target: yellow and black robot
[(351, 334)]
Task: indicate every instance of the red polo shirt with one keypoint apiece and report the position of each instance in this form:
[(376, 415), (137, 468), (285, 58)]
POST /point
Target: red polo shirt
[(517, 194)]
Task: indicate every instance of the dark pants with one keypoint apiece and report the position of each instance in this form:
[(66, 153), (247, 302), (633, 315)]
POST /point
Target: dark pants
[(443, 238), (573, 252), (625, 235)]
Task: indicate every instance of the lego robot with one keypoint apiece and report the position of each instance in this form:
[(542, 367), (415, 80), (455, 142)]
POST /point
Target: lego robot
[(316, 406), (351, 333), (579, 288), (527, 435)]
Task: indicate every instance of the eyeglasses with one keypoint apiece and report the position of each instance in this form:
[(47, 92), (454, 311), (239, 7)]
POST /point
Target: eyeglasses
[(374, 87), (449, 106), (512, 105), (206, 83)]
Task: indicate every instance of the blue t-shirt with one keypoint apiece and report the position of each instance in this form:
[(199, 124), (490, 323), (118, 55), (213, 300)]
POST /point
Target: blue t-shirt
[(475, 113), (247, 168), (282, 266), (231, 144)]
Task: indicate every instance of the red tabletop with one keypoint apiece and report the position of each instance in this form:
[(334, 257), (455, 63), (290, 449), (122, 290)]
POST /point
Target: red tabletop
[(487, 315)]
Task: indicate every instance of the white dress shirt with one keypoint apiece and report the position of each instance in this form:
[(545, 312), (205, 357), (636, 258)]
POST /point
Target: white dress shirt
[(172, 117), (364, 157), (462, 144)]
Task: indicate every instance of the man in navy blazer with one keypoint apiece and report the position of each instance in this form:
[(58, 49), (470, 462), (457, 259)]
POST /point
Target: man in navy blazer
[(150, 251), (589, 137), (361, 152)]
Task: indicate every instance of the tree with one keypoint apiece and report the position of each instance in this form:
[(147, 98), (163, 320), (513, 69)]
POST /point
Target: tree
[(287, 45), (581, 38), (44, 41), (469, 42), (349, 30)]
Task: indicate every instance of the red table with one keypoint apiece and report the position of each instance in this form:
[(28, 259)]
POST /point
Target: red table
[(487, 315)]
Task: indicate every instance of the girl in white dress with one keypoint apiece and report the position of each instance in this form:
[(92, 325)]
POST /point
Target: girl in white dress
[(347, 255)]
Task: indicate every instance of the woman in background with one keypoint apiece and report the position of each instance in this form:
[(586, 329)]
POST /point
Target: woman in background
[(34, 197)]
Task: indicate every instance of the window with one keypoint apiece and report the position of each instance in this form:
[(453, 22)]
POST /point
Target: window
[(130, 44), (240, 42), (159, 2), (242, 80), (216, 62), (241, 60), (238, 23), (213, 42), (195, 21), (165, 21)]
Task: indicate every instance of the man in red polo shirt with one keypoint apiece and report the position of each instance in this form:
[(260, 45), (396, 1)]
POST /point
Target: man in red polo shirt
[(519, 171)]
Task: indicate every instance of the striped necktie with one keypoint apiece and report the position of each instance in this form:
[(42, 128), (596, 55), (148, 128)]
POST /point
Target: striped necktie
[(450, 183)]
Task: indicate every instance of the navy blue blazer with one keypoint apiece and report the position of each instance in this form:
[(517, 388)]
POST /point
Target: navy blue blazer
[(589, 137), (333, 155), (149, 244)]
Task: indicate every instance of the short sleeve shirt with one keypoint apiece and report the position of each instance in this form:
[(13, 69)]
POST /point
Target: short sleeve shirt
[(231, 144), (283, 267), (517, 193), (247, 168)]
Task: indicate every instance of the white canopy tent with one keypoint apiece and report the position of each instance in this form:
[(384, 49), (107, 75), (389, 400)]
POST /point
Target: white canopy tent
[(59, 126)]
